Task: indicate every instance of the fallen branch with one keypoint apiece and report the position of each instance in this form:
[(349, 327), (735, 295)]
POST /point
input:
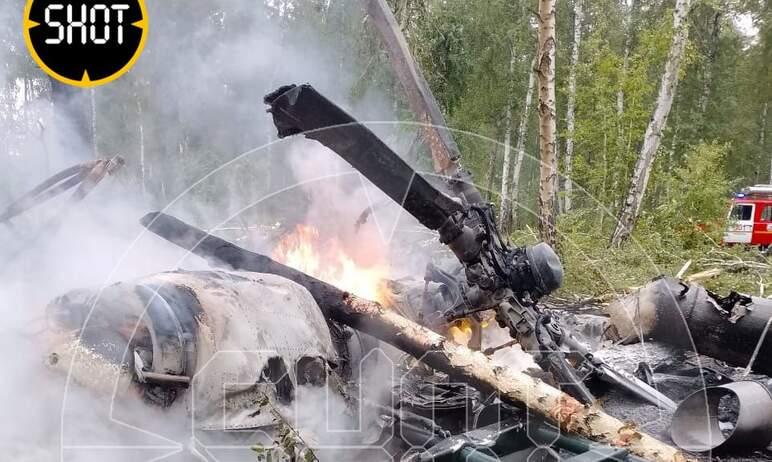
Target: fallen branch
[(439, 353), (683, 270), (587, 305), (733, 263), (492, 350), (703, 275), (598, 300)]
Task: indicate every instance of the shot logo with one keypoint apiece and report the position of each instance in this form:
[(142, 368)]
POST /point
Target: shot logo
[(85, 42)]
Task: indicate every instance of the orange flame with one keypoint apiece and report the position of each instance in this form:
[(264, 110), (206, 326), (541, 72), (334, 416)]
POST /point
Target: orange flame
[(461, 332), (326, 259)]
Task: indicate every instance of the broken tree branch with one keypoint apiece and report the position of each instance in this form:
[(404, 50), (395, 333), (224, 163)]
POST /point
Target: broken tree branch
[(736, 265), (439, 139), (703, 275), (683, 270), (445, 152), (431, 348)]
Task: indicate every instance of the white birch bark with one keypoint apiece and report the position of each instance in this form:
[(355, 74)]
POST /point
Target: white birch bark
[(707, 78), (653, 136), (435, 351), (506, 176), (492, 162), (545, 70), (621, 92), (628, 24), (763, 134), (521, 138), (571, 109)]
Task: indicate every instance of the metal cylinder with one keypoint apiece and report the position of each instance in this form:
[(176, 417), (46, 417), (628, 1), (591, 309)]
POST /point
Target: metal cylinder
[(695, 426), (689, 317)]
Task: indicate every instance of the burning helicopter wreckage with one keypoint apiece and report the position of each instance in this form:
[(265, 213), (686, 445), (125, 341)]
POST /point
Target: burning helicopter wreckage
[(237, 345)]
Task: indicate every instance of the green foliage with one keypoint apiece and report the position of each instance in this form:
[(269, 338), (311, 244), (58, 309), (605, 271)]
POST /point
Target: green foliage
[(464, 48), (687, 225), (292, 446), (606, 141), (696, 202), (593, 269)]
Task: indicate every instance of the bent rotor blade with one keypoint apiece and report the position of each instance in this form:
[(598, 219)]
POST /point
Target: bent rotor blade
[(301, 109)]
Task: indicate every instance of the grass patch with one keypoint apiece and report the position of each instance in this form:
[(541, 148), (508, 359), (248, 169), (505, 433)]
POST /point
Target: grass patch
[(592, 268)]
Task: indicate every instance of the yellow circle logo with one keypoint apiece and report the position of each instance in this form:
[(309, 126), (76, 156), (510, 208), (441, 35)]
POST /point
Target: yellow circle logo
[(85, 43)]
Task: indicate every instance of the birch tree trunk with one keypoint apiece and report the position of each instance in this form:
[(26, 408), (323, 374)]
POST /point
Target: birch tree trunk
[(445, 152), (653, 136), (506, 176), (763, 134), (545, 70), (521, 136), (707, 78), (570, 110), (628, 23), (439, 139), (492, 162), (621, 92)]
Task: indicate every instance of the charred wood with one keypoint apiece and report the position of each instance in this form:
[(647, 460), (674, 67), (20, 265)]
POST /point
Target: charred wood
[(445, 153)]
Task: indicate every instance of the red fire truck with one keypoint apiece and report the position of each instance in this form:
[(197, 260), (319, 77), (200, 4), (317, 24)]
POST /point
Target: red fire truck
[(750, 218)]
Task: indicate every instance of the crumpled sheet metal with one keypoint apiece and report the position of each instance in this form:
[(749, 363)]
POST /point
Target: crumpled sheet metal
[(695, 426), (248, 319), (732, 329), (245, 320)]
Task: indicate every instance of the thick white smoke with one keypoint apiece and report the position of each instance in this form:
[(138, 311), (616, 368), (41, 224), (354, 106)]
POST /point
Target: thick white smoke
[(215, 162), (193, 64)]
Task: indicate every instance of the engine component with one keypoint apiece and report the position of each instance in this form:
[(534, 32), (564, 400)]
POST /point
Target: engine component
[(697, 424), (734, 329), (509, 281)]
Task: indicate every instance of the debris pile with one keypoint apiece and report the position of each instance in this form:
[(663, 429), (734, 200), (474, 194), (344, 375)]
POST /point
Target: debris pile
[(239, 345), (732, 328)]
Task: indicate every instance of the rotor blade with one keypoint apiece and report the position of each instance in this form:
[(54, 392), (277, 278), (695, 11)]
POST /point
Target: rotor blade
[(301, 109)]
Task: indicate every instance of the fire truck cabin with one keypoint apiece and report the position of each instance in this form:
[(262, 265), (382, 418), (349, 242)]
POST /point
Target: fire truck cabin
[(750, 218)]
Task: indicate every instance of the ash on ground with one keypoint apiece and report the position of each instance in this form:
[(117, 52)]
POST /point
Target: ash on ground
[(674, 372)]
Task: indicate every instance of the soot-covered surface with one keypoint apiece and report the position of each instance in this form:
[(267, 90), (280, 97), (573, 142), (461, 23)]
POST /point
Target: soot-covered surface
[(677, 374)]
